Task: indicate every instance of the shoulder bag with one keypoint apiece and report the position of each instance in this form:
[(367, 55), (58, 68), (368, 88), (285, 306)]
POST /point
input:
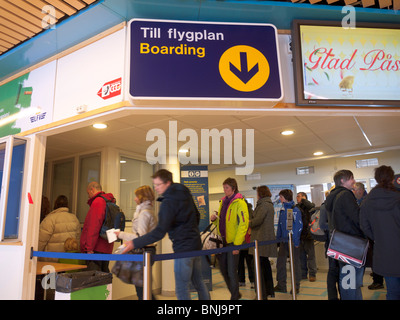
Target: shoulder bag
[(347, 248)]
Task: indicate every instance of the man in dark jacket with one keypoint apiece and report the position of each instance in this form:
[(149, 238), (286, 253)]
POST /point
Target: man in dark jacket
[(90, 241), (344, 216), (307, 249), (179, 217)]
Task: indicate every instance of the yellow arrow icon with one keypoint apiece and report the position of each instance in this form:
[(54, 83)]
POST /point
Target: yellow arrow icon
[(244, 68)]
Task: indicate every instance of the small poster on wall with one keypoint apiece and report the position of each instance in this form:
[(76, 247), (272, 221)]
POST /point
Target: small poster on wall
[(26, 102)]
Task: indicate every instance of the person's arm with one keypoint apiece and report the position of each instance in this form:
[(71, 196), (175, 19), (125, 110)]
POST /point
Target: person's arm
[(258, 216), (243, 215), (46, 230), (165, 220), (96, 215), (297, 226)]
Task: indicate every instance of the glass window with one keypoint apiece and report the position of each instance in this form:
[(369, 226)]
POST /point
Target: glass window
[(63, 181), (133, 174), (15, 184), (89, 170)]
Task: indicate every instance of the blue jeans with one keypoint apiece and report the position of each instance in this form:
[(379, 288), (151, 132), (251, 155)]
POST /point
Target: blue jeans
[(393, 288), (188, 270), (350, 282)]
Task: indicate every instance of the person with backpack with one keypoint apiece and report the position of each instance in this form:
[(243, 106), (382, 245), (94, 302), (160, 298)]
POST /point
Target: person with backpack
[(286, 197), (307, 250), (91, 241)]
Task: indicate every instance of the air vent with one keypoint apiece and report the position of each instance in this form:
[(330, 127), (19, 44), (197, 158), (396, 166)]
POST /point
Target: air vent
[(367, 163), (304, 170)]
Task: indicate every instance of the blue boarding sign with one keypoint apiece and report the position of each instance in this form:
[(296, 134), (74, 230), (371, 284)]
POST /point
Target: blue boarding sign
[(203, 60)]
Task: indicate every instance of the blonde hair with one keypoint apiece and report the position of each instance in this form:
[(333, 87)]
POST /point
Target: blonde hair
[(145, 193), (71, 244)]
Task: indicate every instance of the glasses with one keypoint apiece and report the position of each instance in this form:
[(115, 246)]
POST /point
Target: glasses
[(158, 184)]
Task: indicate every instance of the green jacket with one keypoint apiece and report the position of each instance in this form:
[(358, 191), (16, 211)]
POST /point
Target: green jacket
[(237, 220)]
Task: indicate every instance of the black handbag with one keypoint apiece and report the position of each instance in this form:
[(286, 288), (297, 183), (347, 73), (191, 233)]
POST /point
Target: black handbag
[(348, 249), (131, 272)]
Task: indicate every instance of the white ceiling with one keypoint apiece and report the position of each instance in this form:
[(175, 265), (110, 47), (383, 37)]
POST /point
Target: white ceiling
[(333, 135)]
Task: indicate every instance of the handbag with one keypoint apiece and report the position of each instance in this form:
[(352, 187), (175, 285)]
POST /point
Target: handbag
[(210, 240), (347, 248), (131, 272)]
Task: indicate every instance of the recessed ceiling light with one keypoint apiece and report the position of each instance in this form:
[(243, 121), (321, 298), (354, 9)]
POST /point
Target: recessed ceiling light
[(122, 161), (287, 132), (100, 126), (318, 153), (183, 150)]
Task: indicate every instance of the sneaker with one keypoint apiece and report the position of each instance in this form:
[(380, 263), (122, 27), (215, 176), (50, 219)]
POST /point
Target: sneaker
[(375, 286), (279, 289), (312, 279), (242, 284), (252, 285)]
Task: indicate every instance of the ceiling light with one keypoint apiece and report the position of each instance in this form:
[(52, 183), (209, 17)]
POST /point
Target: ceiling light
[(100, 126), (287, 132), (183, 150), (122, 161), (318, 153)]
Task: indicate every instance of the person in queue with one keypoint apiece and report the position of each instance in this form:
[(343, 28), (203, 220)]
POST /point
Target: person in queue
[(144, 220), (179, 217), (286, 198), (380, 221), (58, 226), (262, 229), (90, 241), (232, 221), (345, 217)]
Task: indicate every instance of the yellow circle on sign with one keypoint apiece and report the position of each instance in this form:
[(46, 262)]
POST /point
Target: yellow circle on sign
[(244, 68)]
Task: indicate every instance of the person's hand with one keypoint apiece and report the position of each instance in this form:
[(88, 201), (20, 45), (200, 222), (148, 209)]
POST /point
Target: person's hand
[(117, 233), (129, 247), (90, 252), (235, 252)]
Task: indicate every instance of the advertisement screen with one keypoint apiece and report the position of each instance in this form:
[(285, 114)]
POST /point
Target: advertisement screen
[(337, 65)]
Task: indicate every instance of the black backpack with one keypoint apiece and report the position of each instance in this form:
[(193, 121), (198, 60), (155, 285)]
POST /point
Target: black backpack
[(114, 218)]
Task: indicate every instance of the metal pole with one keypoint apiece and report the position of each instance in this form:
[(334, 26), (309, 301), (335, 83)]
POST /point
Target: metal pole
[(147, 287), (292, 266), (257, 269)]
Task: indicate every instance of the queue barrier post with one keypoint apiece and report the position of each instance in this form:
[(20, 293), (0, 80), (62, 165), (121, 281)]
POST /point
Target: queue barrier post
[(292, 266), (257, 269), (147, 286)]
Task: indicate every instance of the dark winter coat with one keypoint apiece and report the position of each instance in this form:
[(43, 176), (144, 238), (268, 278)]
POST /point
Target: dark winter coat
[(262, 227), (179, 217), (380, 221), (346, 216), (306, 207)]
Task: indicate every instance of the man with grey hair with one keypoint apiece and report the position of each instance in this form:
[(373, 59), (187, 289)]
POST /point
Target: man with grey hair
[(359, 192), (90, 241)]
